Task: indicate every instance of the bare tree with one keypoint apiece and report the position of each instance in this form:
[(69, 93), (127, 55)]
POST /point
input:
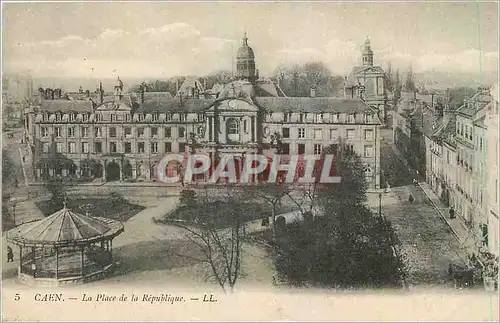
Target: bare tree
[(217, 229)]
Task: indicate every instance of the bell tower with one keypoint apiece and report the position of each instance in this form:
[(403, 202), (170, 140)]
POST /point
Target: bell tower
[(367, 54), (245, 62)]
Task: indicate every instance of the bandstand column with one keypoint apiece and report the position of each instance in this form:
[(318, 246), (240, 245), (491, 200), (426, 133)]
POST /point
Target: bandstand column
[(57, 263), (121, 170), (83, 258), (111, 248)]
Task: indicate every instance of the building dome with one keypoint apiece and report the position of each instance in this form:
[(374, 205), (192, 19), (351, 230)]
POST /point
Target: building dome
[(367, 54), (245, 62), (367, 50), (245, 51)]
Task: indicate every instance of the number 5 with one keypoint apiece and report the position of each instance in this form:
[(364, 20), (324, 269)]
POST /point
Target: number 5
[(17, 297)]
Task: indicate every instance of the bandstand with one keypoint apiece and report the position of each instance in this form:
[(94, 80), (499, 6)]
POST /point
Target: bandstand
[(65, 247)]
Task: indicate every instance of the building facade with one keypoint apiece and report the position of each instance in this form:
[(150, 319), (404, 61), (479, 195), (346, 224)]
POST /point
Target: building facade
[(458, 165), (124, 138), (368, 82), (492, 148)]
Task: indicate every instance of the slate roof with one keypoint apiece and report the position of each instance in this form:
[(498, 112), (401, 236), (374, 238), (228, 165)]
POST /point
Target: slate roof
[(319, 104), (66, 105), (174, 105)]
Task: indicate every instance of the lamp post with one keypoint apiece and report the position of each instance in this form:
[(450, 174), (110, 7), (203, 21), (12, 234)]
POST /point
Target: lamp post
[(14, 204), (380, 204)]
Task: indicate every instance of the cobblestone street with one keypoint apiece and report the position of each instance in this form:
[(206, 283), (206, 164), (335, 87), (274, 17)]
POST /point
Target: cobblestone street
[(427, 241)]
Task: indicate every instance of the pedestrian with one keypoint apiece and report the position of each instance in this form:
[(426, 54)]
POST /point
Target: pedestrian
[(10, 254), (411, 199), (415, 182), (452, 213), (33, 269)]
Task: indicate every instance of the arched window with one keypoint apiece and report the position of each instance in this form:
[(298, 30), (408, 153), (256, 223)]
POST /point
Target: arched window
[(233, 127)]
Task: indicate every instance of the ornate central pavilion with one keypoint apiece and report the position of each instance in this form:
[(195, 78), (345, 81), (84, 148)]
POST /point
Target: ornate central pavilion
[(65, 247)]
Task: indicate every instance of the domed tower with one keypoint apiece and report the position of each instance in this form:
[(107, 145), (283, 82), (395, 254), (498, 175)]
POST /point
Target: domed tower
[(245, 62), (367, 54)]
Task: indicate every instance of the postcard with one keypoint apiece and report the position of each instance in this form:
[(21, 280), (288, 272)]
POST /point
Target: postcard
[(250, 161)]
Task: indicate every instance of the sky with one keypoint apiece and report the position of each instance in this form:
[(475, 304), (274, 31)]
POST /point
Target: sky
[(104, 40)]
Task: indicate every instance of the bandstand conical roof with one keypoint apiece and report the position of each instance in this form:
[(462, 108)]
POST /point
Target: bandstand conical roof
[(65, 227)]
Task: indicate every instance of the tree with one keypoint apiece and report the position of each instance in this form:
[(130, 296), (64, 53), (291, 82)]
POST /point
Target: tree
[(219, 248), (409, 85), (347, 246), (9, 171)]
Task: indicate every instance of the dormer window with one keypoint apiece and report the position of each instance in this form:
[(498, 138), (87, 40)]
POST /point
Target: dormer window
[(58, 117), (113, 117), (85, 117), (201, 117), (98, 117), (287, 117), (368, 118), (352, 118), (155, 117), (182, 117), (319, 117), (72, 117), (169, 116), (141, 116), (128, 117), (301, 118)]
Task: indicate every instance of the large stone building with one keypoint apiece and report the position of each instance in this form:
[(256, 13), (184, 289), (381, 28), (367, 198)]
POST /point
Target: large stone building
[(124, 137), (368, 83), (458, 168), (492, 148)]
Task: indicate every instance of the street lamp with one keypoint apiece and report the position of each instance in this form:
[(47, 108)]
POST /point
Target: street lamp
[(14, 203), (380, 204)]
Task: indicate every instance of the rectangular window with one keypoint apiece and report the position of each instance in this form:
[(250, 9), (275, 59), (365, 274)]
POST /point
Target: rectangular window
[(286, 133), (85, 147), (97, 132), (349, 148), (45, 132), (154, 147), (59, 147), (182, 132), (334, 133), (182, 147), (317, 149), (113, 117), (287, 117), (368, 151), (336, 118), (301, 133), (45, 147), (72, 147), (71, 132), (98, 147), (140, 132), (112, 147), (368, 134), (57, 131), (168, 147), (128, 132), (350, 133), (352, 118), (245, 126), (154, 132), (140, 147), (285, 148), (169, 116), (168, 132), (112, 132), (128, 117), (301, 118), (301, 149), (85, 132), (128, 147), (318, 134), (319, 117)]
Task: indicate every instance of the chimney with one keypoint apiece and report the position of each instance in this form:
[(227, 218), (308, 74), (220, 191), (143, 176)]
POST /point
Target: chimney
[(142, 95), (312, 92), (345, 87), (101, 93)]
